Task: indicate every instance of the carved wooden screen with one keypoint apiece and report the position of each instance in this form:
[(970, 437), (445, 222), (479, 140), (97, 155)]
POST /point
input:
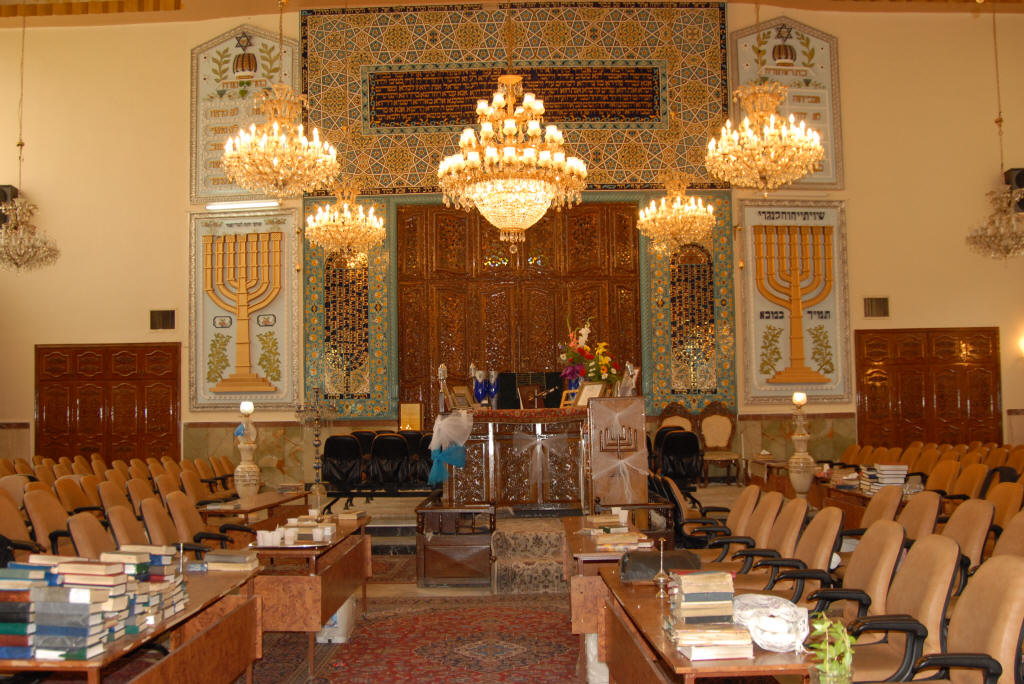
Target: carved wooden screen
[(464, 297), (934, 385), (120, 400)]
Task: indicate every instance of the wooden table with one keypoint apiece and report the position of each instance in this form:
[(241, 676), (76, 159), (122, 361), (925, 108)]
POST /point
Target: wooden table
[(771, 475), (633, 643), (217, 636), (302, 586), (271, 502)]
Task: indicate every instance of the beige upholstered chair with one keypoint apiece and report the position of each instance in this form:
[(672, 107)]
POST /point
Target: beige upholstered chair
[(717, 425), (89, 537), (919, 515), (14, 485), (49, 521), (782, 538), (126, 527), (756, 528), (7, 467)]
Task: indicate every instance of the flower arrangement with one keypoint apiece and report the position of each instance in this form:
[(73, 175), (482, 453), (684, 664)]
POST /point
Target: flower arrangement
[(596, 365)]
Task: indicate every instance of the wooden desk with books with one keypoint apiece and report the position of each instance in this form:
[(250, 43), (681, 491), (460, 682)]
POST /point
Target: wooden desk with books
[(271, 502), (218, 631), (302, 586), (633, 643)]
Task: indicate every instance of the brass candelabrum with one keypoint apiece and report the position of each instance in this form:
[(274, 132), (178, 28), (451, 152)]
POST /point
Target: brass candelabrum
[(313, 413)]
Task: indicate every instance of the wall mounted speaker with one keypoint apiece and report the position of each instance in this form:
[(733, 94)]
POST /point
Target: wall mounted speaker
[(7, 193), (1015, 179)]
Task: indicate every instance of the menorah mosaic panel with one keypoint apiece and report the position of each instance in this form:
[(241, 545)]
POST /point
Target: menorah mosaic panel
[(795, 300), (244, 309), (691, 353)]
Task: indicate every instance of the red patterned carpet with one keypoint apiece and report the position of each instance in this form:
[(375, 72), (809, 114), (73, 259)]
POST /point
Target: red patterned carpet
[(398, 569), (522, 639)]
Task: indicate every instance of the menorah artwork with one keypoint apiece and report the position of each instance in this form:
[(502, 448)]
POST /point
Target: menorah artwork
[(242, 275), (794, 271)]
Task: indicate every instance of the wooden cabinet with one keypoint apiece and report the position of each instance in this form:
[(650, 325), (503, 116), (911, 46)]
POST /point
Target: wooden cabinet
[(465, 297), (120, 400), (928, 384)]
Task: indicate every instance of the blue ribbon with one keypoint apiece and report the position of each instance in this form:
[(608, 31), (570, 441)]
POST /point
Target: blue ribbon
[(240, 430), (454, 455)]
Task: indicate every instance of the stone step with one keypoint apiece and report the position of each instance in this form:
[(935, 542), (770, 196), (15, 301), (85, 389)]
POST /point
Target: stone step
[(393, 546), (392, 530)]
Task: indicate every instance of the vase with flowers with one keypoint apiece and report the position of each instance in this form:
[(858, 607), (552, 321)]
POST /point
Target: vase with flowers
[(583, 362)]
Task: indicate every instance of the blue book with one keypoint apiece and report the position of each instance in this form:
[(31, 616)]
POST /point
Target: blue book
[(66, 630), (708, 596), (15, 652)]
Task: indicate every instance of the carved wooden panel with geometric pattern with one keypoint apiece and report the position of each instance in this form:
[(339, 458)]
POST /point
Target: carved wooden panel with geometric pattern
[(929, 384), (119, 400), (464, 297)]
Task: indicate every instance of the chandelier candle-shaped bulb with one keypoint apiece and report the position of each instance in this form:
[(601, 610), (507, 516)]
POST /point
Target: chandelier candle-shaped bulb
[(516, 169), (766, 151), (346, 227), (677, 219), (799, 399), (246, 408)]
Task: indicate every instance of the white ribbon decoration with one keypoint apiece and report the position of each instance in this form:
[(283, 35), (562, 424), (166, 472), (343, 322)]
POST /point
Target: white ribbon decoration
[(608, 464), (453, 428), (540, 447)]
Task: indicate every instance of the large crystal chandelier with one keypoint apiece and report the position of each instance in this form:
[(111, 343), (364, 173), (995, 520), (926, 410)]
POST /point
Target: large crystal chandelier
[(516, 169), (1001, 236), (345, 227), (276, 158), (22, 246), (766, 151), (676, 220)]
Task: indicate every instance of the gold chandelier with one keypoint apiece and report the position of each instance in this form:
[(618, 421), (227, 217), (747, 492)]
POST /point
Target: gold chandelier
[(346, 228), (676, 220), (1001, 236), (276, 158), (516, 169), (22, 246), (766, 151)]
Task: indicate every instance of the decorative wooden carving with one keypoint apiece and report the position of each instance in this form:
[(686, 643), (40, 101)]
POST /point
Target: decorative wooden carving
[(122, 401), (464, 297), (929, 384)]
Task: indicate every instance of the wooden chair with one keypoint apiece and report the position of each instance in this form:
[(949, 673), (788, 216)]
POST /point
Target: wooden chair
[(920, 589), (127, 529), (49, 521), (717, 426), (89, 537)]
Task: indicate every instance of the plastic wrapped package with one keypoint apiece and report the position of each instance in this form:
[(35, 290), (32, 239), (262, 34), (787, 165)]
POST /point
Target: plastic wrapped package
[(774, 623)]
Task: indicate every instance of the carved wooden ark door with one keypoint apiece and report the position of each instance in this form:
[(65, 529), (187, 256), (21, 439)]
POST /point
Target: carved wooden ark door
[(464, 297)]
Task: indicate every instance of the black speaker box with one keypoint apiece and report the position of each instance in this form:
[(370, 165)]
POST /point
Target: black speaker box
[(1014, 178), (7, 193)]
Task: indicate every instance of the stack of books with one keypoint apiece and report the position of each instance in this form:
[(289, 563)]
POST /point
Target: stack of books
[(712, 642), (622, 541), (843, 478), (232, 560), (17, 611), (70, 622), (880, 475), (106, 578), (351, 514), (136, 567), (702, 597)]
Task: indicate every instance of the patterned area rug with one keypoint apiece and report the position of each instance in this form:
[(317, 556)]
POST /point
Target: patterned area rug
[(397, 569), (465, 640)]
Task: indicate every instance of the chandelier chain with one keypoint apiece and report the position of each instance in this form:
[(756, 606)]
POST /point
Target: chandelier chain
[(999, 95), (21, 100)]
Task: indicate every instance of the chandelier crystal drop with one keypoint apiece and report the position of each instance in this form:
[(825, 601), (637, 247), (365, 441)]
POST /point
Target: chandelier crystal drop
[(676, 219), (766, 150), (276, 158), (346, 228), (516, 169), (22, 246), (1002, 234)]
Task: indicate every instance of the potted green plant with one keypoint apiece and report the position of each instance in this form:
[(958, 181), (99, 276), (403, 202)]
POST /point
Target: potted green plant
[(832, 647)]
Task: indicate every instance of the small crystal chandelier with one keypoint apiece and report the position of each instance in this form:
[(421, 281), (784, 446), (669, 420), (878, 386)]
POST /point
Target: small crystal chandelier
[(276, 158), (1002, 234), (766, 151), (517, 169), (22, 246), (676, 220), (345, 227)]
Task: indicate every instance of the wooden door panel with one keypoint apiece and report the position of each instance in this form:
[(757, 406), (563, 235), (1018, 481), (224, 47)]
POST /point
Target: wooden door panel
[(497, 313), (450, 328), (624, 318), (111, 399), (624, 261), (542, 251), (586, 242), (450, 243), (946, 383), (412, 242), (539, 322)]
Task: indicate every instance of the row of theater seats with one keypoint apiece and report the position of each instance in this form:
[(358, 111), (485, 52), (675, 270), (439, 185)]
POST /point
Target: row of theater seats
[(391, 463), (963, 578), (921, 457), (82, 515)]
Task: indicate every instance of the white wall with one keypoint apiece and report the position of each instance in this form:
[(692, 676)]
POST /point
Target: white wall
[(107, 161)]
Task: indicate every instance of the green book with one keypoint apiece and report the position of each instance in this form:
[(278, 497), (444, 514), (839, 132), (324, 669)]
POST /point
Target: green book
[(17, 627)]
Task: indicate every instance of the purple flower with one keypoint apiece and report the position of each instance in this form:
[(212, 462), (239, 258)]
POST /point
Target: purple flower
[(573, 372)]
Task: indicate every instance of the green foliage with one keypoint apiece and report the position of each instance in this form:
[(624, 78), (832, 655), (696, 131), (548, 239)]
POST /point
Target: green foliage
[(217, 360), (770, 353), (760, 49), (270, 359), (808, 52), (821, 352), (220, 64), (270, 61), (831, 645)]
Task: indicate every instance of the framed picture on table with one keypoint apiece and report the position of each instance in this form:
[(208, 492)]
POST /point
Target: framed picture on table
[(462, 397), (588, 391), (569, 398)]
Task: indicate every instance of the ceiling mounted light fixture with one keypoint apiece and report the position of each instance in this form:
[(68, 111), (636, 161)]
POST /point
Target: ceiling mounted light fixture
[(677, 219), (276, 158), (23, 247), (516, 169), (766, 150), (1001, 236)]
